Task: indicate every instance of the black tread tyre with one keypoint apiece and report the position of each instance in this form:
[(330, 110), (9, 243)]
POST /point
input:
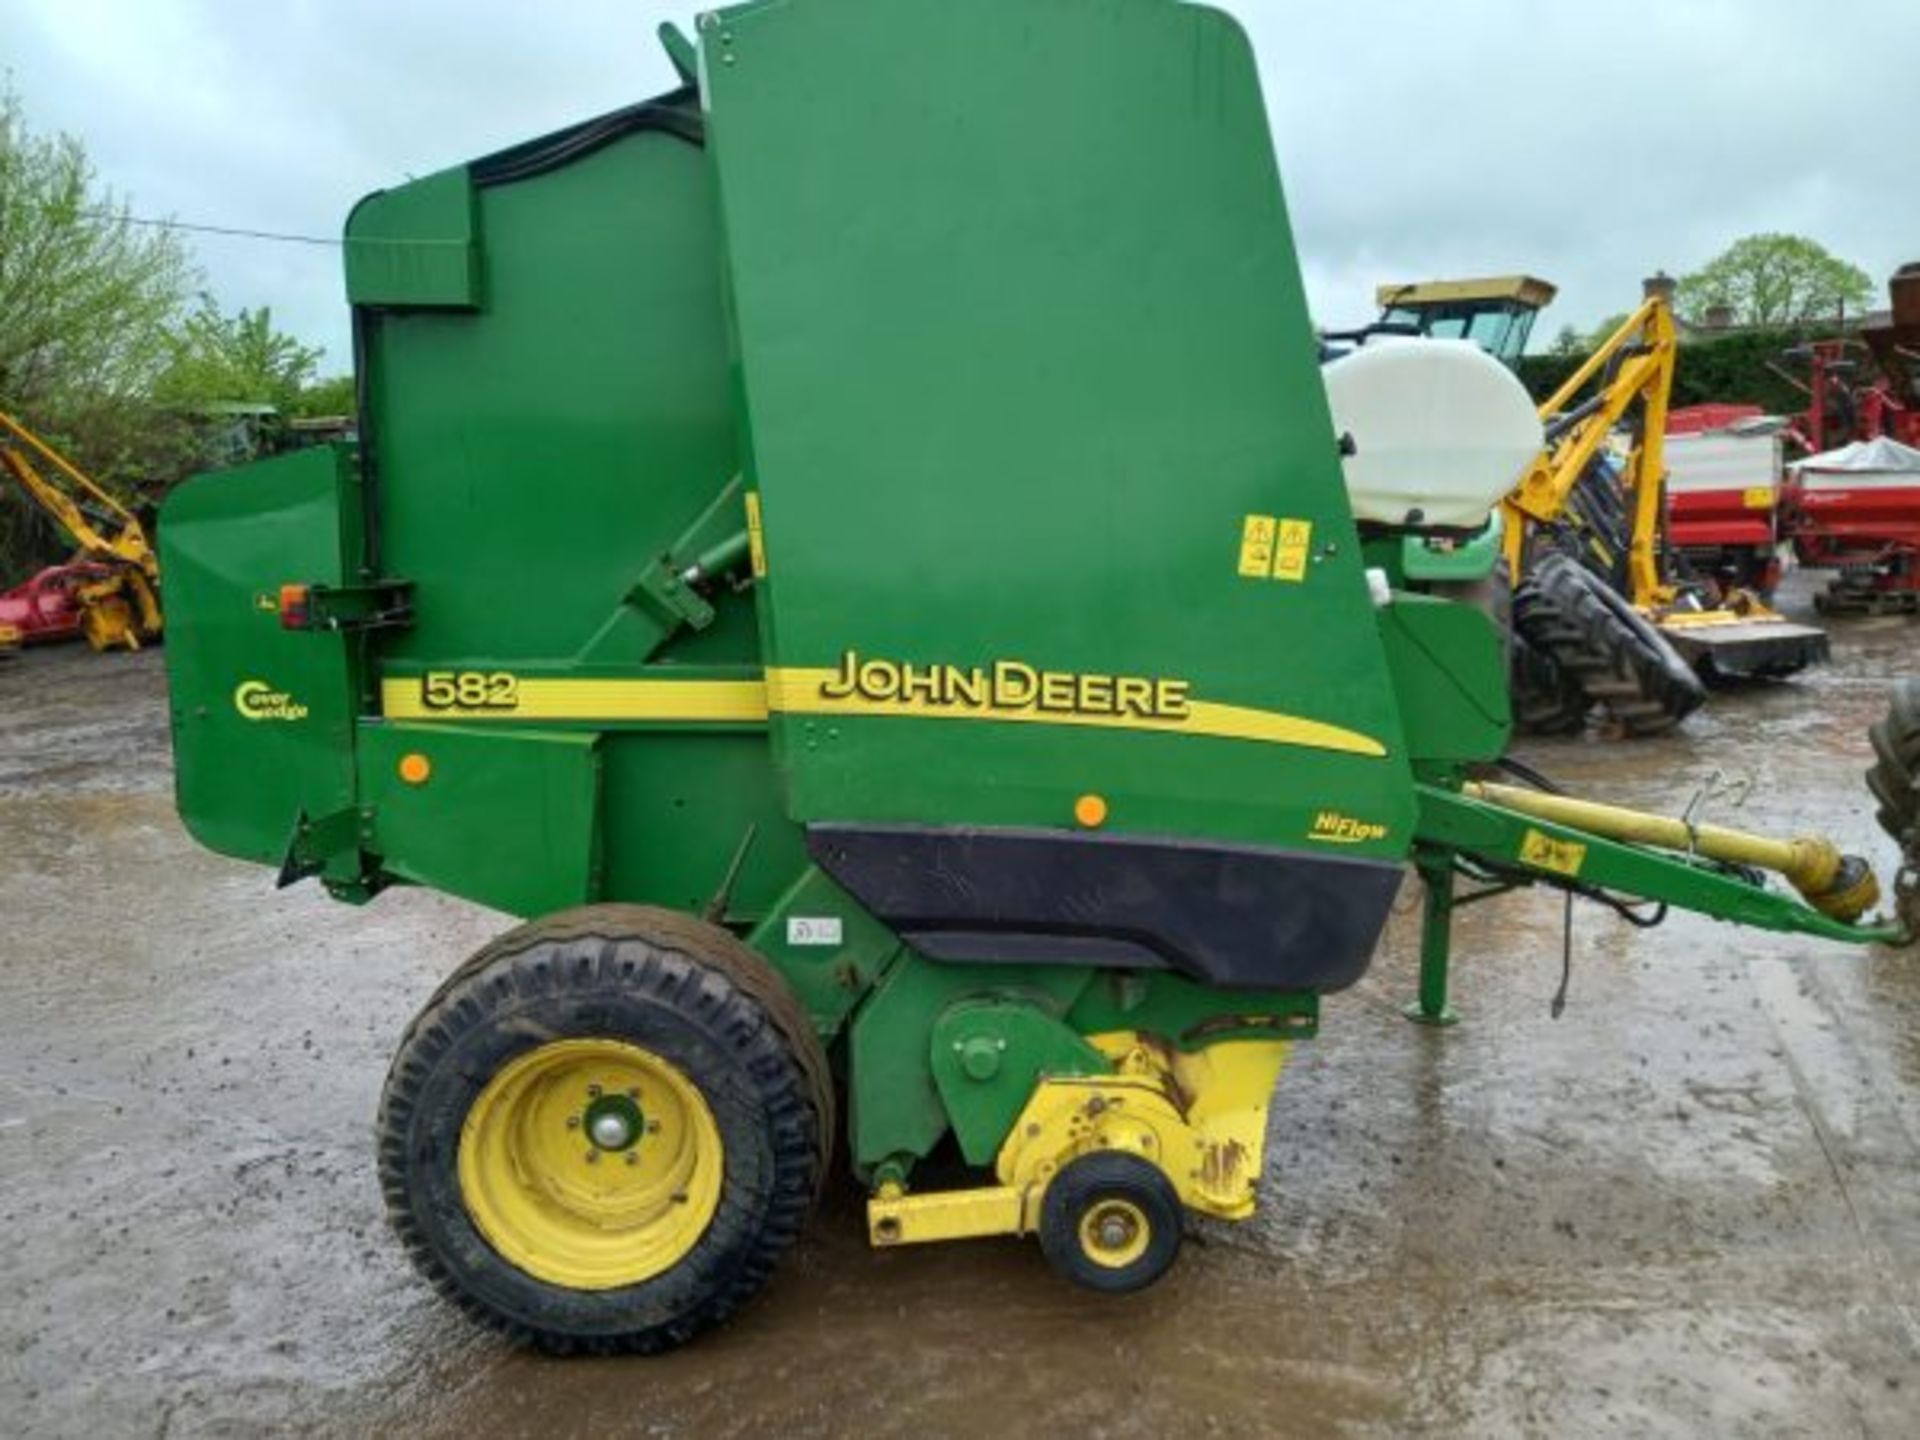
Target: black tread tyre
[(1894, 777), (1108, 1187), (1603, 645), (1545, 701), (689, 992)]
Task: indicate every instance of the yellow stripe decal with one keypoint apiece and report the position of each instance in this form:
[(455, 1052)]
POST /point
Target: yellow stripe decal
[(800, 692), (531, 698)]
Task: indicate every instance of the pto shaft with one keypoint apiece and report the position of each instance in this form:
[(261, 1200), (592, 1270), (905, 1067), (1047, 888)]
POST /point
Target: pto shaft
[(1842, 886)]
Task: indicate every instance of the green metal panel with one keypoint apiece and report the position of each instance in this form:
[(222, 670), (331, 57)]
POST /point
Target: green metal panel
[(987, 1056), (416, 245), (1189, 1015), (1017, 371), (510, 818), (1449, 668), (894, 1104), (535, 456), (826, 946), (262, 717), (679, 807)]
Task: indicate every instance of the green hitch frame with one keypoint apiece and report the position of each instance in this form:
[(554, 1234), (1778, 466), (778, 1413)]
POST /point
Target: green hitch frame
[(1523, 849)]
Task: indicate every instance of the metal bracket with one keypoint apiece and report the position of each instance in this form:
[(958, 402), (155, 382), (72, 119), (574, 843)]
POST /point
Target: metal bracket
[(665, 592), (377, 605), (314, 842)]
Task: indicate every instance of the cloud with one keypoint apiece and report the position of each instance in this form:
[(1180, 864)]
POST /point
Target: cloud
[(1415, 139)]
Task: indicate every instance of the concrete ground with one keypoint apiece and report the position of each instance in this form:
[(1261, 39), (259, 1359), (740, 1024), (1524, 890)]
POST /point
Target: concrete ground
[(1689, 1206)]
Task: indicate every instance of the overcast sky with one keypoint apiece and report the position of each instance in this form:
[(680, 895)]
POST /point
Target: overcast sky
[(1588, 145)]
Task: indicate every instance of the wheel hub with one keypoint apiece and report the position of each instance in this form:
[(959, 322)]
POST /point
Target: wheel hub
[(1114, 1233), (615, 1122), (531, 1171)]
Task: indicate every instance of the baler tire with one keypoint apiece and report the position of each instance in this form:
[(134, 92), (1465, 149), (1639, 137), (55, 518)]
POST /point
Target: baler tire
[(1128, 1185), (1605, 647), (712, 1016)]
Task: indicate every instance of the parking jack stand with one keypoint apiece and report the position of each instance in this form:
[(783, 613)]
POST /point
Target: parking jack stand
[(1436, 941)]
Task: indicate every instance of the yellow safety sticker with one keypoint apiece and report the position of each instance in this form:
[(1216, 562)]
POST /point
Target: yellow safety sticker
[(1256, 546), (1290, 554), (1757, 497), (1275, 549), (756, 544), (1544, 852)]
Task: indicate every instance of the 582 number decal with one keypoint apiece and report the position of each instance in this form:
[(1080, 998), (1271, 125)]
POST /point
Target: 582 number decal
[(469, 690)]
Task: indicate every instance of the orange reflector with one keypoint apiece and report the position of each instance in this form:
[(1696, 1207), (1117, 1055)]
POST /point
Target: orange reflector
[(415, 768), (1090, 810), (293, 607)]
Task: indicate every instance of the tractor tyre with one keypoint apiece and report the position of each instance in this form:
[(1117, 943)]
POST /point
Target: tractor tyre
[(1545, 701), (1605, 647), (1894, 777), (605, 1130), (1111, 1222)]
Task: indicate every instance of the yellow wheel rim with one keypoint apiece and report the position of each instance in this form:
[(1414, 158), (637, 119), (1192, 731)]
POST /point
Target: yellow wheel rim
[(1115, 1233), (591, 1164)]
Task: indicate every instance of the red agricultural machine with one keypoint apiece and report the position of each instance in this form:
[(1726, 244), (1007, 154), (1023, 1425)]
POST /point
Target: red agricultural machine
[(1723, 495), (1853, 504)]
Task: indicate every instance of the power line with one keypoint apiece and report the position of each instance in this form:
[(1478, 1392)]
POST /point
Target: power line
[(281, 236)]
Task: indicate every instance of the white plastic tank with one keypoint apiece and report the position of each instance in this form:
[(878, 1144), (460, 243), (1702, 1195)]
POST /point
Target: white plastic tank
[(1441, 431)]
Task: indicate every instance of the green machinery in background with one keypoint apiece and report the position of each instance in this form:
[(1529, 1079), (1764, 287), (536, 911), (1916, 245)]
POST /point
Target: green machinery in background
[(855, 551)]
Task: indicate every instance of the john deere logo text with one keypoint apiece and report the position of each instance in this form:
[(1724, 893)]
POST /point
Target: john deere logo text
[(1006, 686), (257, 700), (1338, 829)]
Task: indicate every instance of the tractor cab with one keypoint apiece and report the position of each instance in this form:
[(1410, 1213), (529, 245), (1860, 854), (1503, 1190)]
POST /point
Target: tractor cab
[(1496, 314)]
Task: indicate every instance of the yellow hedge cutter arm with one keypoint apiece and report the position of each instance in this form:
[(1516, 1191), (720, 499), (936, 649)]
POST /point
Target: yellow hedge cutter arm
[(120, 605)]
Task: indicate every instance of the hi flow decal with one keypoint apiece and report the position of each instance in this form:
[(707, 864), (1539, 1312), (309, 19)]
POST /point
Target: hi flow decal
[(1333, 828), (864, 685), (257, 700)]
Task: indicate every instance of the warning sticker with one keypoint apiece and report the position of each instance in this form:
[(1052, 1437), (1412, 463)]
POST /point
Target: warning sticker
[(1256, 546), (1274, 549), (814, 930), (1290, 554), (756, 543), (1543, 852)]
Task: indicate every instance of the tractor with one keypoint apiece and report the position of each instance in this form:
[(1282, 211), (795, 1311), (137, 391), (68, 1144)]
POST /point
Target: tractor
[(1610, 613), (975, 709)]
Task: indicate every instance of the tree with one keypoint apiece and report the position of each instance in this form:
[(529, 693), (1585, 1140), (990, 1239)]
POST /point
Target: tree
[(1774, 280), (1574, 343), (86, 296), (87, 299), (1568, 342), (216, 357), (332, 396)]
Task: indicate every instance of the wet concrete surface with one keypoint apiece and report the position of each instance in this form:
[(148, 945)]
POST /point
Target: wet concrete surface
[(1689, 1206)]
